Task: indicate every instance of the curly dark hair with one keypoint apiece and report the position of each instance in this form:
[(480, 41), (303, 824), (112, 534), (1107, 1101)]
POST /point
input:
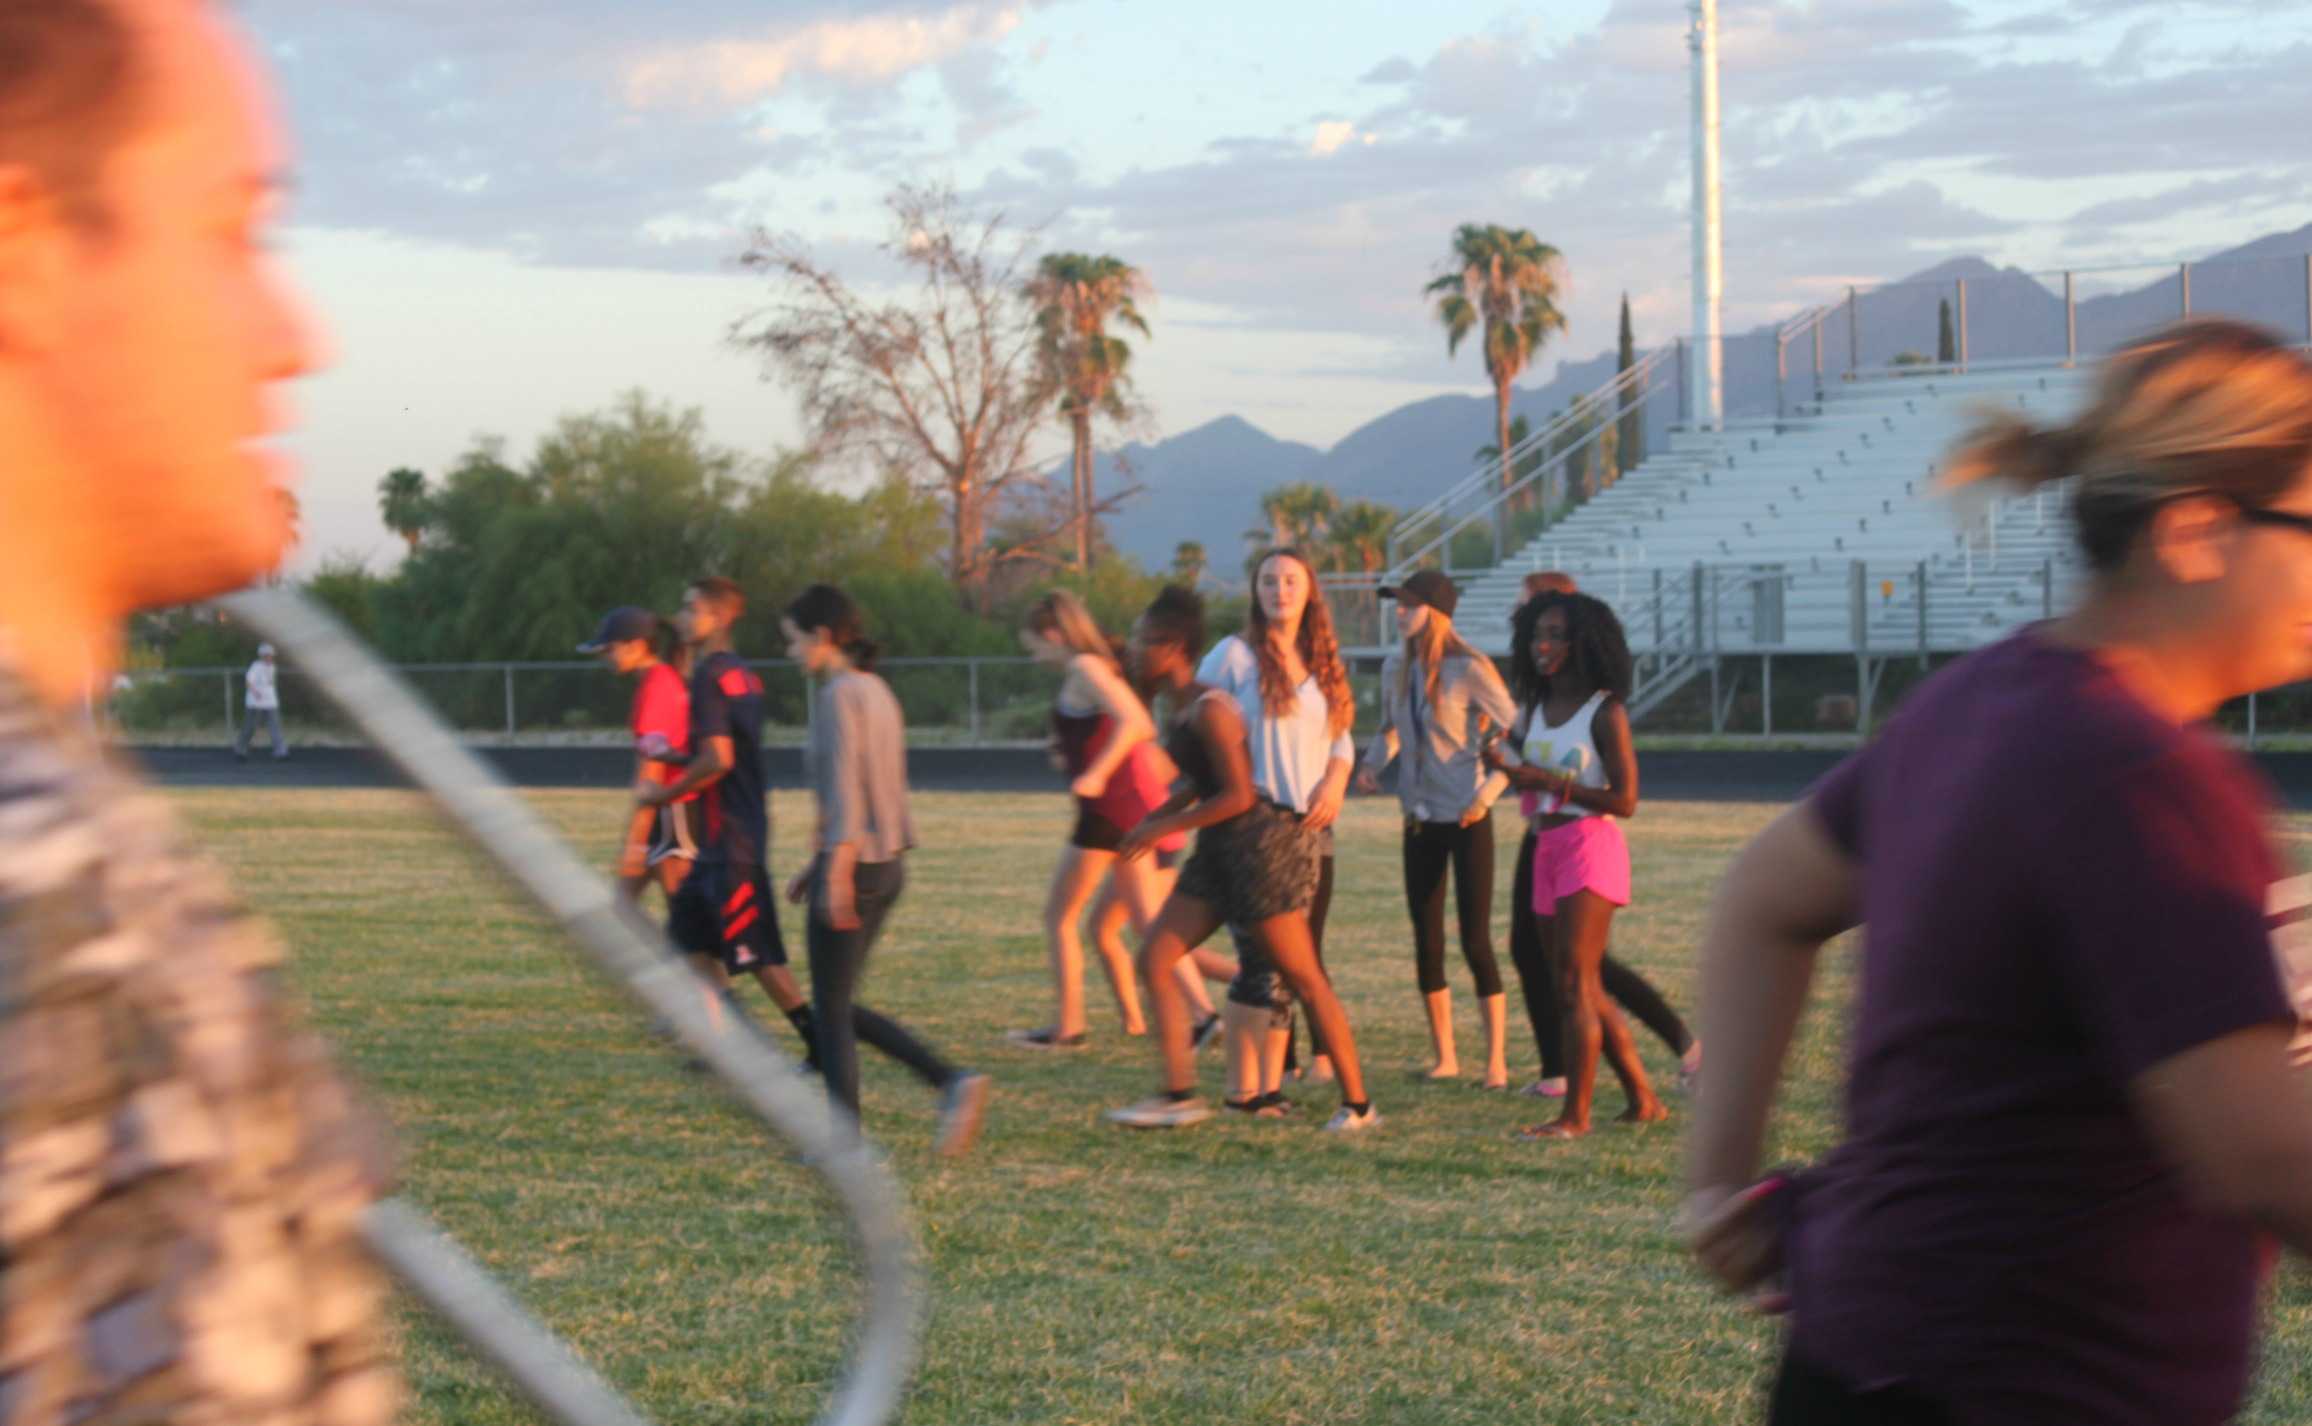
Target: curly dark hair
[(1597, 653), (1176, 618)]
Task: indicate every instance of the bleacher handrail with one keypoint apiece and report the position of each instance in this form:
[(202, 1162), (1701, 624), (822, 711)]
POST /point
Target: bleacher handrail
[(1484, 477)]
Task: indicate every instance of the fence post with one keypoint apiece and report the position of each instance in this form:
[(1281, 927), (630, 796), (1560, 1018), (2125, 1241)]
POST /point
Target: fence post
[(973, 665), (2071, 322), (1697, 640), (1962, 324), (1781, 371), (1857, 605), (1657, 608), (1818, 356), (509, 670), (2251, 720), (1853, 334), (1766, 693), (1684, 413), (2047, 587), (2184, 281), (1921, 576), (232, 722)]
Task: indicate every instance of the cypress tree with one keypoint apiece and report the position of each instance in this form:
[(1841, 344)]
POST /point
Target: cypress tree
[(1631, 440)]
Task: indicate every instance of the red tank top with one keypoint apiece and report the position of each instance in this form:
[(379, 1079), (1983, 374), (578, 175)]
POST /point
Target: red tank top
[(1134, 790)]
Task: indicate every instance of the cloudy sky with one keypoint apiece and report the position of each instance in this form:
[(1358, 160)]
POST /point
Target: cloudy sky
[(512, 209)]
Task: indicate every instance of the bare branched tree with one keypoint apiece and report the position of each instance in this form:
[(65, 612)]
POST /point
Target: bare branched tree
[(943, 382)]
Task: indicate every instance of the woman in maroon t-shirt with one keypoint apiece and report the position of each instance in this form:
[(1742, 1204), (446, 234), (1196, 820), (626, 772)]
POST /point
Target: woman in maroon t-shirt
[(2071, 1119)]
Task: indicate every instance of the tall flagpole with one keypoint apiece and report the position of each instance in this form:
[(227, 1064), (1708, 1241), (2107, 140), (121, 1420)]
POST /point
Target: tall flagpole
[(1708, 377)]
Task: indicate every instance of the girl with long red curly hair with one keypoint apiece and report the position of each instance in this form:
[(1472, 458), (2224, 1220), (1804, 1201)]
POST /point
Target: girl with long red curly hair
[(1292, 690)]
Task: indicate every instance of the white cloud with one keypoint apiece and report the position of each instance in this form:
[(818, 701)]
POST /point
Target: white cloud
[(1333, 135), (867, 50)]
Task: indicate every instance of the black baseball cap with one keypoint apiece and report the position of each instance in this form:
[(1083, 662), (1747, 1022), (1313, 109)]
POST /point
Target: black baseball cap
[(1425, 586), (619, 625)]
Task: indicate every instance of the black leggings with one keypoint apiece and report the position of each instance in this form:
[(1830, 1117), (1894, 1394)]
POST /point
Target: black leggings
[(838, 959), (1429, 848), (1537, 973), (1806, 1395)]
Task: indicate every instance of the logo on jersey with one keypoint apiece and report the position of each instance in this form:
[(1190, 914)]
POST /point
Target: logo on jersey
[(2290, 907), (740, 683)]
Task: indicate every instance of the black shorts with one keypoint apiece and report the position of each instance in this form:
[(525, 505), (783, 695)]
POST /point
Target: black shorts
[(1093, 831), (1256, 865), (729, 913)]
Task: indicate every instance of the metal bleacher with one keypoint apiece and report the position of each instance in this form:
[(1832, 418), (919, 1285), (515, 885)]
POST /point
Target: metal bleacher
[(1818, 531)]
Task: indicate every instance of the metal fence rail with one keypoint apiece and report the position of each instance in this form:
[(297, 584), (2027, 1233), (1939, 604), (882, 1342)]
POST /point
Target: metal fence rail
[(635, 959)]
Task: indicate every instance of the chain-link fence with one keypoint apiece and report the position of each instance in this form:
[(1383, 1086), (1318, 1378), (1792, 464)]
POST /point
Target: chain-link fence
[(1734, 689)]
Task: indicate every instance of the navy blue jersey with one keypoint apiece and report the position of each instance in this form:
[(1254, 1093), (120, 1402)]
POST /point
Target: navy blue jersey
[(726, 701)]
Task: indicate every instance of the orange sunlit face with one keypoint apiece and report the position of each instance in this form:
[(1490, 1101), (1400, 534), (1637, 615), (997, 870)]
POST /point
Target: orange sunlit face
[(1550, 644), (1283, 588), (2266, 598), (162, 336)]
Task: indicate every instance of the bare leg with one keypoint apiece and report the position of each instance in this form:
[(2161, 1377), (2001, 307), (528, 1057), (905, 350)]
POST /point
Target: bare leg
[(1141, 887), (1445, 1063), (1247, 1040), (714, 984), (1212, 965), (1279, 1041), (1593, 1023), (779, 984), (1110, 915), (1184, 923), (1495, 1011), (1078, 872), (1287, 939)]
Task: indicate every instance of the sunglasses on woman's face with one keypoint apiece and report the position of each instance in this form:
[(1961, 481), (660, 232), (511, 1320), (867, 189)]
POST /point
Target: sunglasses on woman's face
[(2260, 515)]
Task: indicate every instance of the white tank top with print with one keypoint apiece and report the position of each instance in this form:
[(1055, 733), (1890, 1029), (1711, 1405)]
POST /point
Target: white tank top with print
[(1571, 746)]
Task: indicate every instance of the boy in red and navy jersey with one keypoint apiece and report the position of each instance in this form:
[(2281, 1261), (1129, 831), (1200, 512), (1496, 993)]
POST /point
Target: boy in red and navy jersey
[(660, 843), (725, 913)]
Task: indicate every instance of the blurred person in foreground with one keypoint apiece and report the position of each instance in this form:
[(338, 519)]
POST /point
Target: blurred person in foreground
[(2072, 1129), (182, 1174)]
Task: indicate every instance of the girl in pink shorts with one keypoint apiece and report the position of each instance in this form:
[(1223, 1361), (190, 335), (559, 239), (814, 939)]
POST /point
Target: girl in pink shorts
[(1577, 774)]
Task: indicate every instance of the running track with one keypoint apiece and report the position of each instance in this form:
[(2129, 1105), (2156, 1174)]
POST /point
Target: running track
[(1729, 776)]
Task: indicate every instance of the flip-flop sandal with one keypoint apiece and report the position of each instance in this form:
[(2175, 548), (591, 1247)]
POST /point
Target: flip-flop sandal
[(1548, 1133)]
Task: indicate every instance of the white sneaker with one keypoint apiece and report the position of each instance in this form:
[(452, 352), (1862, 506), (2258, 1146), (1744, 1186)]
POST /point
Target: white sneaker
[(1348, 1121), (1159, 1111)]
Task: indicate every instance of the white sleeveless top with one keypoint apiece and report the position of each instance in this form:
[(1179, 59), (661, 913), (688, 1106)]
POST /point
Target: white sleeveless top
[(1571, 746)]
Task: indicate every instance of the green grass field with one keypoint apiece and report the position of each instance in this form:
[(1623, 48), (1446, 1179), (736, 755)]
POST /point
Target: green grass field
[(1436, 1272)]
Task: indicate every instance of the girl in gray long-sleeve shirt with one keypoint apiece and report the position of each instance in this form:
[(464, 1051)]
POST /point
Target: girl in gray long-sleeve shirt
[(1441, 699), (858, 767)]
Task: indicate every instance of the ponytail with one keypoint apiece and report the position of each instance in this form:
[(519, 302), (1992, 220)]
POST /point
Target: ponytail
[(823, 606)]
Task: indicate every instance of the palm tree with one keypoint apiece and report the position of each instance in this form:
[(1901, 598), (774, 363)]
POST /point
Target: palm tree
[(405, 504), (1075, 297), (1297, 515), (1359, 536), (1188, 562), (1507, 280)]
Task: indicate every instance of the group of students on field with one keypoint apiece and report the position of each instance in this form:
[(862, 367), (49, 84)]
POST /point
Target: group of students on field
[(1254, 755), (700, 824), (1253, 758)]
